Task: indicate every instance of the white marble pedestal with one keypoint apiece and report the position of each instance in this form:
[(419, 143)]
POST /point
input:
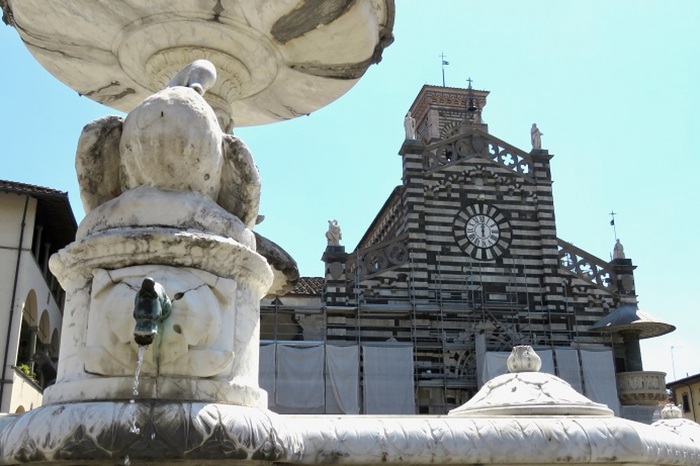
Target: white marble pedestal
[(205, 259)]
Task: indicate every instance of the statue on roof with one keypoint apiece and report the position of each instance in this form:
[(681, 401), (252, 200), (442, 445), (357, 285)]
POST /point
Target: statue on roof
[(536, 137), (409, 125), (334, 235), (618, 250)]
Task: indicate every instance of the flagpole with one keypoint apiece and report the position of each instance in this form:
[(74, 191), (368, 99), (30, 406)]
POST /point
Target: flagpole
[(444, 62), (612, 223)]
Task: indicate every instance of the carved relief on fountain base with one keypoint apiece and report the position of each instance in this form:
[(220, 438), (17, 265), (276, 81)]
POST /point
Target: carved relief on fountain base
[(207, 348), (642, 388)]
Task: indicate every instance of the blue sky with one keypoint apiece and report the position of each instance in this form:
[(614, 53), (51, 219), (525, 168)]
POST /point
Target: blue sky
[(607, 82)]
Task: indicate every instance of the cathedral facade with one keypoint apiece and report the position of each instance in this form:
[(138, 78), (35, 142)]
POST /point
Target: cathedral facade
[(461, 263)]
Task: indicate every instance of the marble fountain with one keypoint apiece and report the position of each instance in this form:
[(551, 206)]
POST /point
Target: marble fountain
[(165, 276)]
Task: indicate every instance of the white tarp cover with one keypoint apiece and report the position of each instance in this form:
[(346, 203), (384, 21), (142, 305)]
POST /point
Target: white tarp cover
[(547, 357), (568, 367), (599, 378), (388, 381), (293, 378), (342, 380), (495, 363), (266, 373), (299, 386)]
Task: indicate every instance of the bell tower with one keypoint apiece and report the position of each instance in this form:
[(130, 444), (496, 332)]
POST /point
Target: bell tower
[(440, 112)]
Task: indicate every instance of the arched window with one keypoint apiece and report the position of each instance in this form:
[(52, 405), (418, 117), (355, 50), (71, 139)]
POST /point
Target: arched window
[(44, 364), (28, 330), (27, 344)]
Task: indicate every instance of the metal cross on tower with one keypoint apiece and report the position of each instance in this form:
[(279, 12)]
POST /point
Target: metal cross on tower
[(444, 62), (612, 223)]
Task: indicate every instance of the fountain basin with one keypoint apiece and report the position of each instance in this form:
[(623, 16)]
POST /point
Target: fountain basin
[(276, 60), (145, 432), (202, 434)]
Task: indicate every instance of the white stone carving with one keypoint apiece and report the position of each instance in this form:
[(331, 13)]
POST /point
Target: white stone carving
[(409, 126), (618, 250), (275, 61), (209, 345), (523, 359), (536, 137), (144, 433), (196, 340), (167, 195), (172, 141), (200, 75), (671, 411), (527, 392), (202, 433), (334, 235), (641, 387)]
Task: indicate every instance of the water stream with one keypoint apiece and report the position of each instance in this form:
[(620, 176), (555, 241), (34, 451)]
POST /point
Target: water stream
[(137, 372), (133, 428)]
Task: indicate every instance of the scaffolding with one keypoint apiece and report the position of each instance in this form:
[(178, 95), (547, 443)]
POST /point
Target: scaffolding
[(440, 317)]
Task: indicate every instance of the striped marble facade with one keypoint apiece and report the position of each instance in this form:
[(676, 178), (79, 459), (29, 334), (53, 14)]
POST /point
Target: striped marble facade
[(417, 278)]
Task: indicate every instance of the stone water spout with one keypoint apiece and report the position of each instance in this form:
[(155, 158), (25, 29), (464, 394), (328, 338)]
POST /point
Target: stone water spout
[(151, 307)]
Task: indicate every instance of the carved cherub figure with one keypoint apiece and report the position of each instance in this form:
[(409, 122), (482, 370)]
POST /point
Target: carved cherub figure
[(171, 141)]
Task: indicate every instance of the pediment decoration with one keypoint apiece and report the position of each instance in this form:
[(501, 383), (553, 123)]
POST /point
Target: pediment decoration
[(585, 266), (378, 258), (474, 142)]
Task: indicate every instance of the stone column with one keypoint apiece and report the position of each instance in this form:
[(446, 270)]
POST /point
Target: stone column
[(633, 354)]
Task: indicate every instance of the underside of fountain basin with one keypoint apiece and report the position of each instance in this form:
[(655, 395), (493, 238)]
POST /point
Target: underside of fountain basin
[(276, 60)]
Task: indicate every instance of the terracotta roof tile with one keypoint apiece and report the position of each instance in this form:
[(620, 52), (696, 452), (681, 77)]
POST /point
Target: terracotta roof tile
[(15, 187), (309, 286), (53, 210)]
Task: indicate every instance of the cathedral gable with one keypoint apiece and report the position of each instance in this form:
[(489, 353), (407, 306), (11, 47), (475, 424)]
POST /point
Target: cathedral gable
[(473, 144)]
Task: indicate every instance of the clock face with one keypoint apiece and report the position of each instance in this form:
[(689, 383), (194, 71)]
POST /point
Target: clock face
[(482, 231)]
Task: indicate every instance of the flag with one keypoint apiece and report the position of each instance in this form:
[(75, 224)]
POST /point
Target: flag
[(612, 222), (445, 62)]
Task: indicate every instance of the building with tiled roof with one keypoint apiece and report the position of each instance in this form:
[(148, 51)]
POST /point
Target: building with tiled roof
[(36, 222)]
